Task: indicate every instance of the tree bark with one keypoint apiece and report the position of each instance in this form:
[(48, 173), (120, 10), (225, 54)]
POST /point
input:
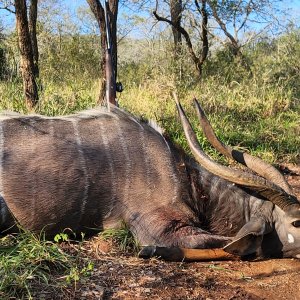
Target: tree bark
[(113, 16), (98, 12), (32, 31), (27, 62), (176, 12), (204, 31)]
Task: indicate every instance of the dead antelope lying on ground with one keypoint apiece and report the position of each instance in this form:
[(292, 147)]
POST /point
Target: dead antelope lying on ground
[(96, 169)]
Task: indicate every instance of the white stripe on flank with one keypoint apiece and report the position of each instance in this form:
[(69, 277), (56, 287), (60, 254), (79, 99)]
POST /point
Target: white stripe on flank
[(135, 121), (51, 128), (127, 162), (32, 131), (176, 186), (171, 163), (167, 143), (146, 163), (108, 150), (83, 165)]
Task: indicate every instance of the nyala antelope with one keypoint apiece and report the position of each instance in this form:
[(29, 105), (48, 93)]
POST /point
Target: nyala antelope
[(99, 168)]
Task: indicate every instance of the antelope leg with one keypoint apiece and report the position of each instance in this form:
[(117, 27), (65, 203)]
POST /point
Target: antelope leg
[(186, 254)]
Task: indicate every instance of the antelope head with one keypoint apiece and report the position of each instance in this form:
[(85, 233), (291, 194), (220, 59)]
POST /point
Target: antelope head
[(281, 236)]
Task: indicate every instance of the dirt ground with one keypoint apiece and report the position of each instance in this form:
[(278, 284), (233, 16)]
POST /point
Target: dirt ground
[(124, 276)]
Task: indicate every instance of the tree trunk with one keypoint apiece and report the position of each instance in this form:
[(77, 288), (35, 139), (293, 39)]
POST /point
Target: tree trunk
[(27, 64), (176, 11), (32, 31), (98, 12), (113, 14)]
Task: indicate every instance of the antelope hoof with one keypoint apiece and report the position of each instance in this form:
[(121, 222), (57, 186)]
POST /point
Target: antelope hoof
[(147, 252)]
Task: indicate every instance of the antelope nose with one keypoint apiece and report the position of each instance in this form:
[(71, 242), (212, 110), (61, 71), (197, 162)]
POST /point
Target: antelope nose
[(298, 255)]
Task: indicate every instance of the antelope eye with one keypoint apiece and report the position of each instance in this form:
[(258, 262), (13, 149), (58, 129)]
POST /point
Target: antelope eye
[(296, 223)]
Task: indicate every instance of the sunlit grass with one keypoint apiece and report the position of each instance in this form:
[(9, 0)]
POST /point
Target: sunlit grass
[(264, 122), (27, 259), (122, 237)]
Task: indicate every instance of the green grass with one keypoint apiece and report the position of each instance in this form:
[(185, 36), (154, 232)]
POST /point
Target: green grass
[(121, 237), (26, 260), (55, 99), (261, 119)]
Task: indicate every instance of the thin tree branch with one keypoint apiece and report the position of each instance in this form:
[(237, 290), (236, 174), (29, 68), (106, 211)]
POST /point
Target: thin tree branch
[(183, 32), (222, 24), (248, 12), (8, 9)]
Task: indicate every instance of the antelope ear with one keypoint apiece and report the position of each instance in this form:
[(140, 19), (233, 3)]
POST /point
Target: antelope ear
[(248, 240)]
